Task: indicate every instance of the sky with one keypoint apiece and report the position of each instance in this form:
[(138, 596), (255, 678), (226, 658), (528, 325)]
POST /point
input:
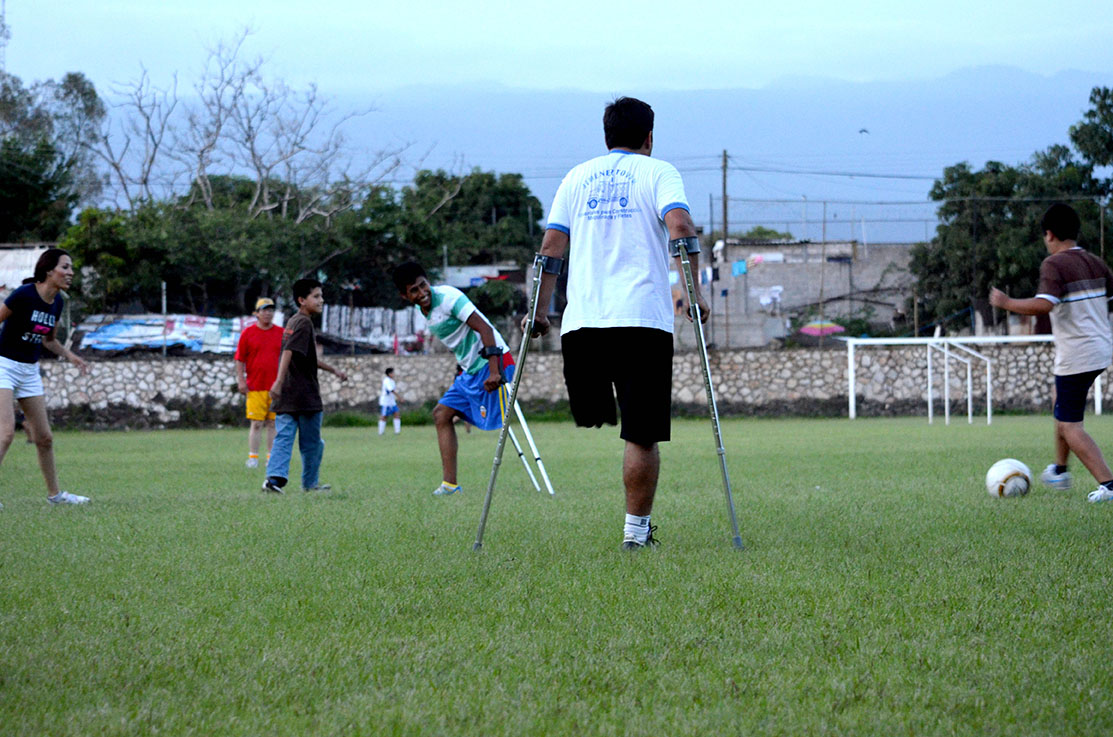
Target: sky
[(348, 46), (519, 87)]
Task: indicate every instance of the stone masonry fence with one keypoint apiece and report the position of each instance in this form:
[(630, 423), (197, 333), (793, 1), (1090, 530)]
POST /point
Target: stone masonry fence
[(155, 392)]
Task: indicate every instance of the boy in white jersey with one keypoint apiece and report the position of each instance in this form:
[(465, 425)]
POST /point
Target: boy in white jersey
[(1075, 287), (477, 395), (388, 404), (617, 213)]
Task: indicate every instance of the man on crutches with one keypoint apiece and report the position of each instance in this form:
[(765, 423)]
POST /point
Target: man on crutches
[(478, 394), (616, 214)]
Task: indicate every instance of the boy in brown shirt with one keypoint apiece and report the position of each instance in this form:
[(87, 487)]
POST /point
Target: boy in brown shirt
[(1075, 287), (296, 396)]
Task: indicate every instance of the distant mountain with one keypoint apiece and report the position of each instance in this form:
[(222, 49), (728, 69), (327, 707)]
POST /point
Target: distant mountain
[(913, 128)]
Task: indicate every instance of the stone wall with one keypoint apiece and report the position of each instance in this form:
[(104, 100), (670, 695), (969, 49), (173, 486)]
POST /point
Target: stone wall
[(151, 392)]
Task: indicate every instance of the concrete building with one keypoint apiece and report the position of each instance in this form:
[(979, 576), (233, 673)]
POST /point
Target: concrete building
[(756, 287), (17, 262)]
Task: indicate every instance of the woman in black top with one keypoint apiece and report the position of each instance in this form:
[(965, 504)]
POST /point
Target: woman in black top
[(28, 323)]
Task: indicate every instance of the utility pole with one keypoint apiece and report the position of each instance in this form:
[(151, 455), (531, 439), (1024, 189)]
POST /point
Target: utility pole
[(823, 237), (822, 267), (805, 236), (711, 250), (726, 232)]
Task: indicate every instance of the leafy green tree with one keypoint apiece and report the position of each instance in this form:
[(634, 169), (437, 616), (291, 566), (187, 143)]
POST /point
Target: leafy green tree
[(761, 233), (1093, 135), (482, 218), (67, 115), (114, 268), (498, 298), (989, 232), (36, 191)]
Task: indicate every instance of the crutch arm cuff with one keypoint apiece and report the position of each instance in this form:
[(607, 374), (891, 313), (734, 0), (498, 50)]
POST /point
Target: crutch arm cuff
[(550, 264), (690, 245)]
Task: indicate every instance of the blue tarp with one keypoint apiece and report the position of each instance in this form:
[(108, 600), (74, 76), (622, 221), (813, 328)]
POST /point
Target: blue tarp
[(197, 334)]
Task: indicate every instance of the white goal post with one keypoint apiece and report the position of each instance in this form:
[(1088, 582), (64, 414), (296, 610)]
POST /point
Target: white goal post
[(958, 349)]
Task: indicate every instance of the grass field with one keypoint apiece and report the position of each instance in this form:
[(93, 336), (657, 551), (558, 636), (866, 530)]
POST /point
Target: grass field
[(882, 590)]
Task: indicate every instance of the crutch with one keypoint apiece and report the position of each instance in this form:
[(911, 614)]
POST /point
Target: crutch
[(512, 401), (680, 248), (518, 447), (532, 447)]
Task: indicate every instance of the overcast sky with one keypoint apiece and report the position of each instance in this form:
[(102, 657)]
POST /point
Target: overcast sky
[(559, 63), (351, 46)]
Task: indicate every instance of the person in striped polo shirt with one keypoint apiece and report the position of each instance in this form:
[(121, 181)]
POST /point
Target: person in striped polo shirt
[(1075, 288), (477, 395)]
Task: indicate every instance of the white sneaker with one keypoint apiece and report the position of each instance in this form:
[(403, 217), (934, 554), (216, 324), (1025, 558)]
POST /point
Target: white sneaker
[(64, 497), (1100, 494), (1059, 481), (252, 463), (444, 490)]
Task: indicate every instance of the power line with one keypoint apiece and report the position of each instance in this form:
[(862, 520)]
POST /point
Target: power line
[(818, 173), (906, 203)]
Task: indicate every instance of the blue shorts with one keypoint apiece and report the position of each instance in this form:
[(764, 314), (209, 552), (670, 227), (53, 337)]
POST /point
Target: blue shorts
[(387, 411), (480, 407), (1070, 395)]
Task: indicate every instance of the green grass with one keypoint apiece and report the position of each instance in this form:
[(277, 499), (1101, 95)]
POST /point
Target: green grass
[(882, 590)]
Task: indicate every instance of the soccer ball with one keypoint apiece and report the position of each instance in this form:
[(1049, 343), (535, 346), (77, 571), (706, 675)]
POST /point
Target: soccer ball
[(1008, 477)]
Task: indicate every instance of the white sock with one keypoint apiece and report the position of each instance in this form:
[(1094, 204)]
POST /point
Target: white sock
[(637, 527), (397, 425), (382, 426)]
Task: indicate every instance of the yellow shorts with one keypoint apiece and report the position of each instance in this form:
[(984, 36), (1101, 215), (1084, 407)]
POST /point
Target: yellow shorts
[(258, 406)]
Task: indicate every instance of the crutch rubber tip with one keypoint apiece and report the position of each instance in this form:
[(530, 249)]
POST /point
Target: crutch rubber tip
[(475, 548), (738, 543)]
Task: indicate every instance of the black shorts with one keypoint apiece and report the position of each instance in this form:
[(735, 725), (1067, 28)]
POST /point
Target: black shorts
[(632, 364), (1070, 395)]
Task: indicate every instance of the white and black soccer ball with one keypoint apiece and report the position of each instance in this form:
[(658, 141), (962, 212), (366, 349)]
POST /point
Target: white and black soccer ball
[(1008, 477)]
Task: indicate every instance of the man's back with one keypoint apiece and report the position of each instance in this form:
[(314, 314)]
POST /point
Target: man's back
[(612, 208), (1078, 284), (300, 391)]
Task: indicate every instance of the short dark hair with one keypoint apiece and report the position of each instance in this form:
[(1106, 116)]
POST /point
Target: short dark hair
[(1062, 221), (406, 274), (390, 371), (627, 122), (302, 288), (47, 261)]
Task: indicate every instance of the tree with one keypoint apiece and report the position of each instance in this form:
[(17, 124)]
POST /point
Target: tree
[(989, 232), (36, 191), (482, 218), (45, 167), (1093, 135), (498, 298), (761, 233), (114, 268)]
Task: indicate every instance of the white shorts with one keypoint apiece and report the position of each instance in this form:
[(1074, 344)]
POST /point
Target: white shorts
[(23, 379)]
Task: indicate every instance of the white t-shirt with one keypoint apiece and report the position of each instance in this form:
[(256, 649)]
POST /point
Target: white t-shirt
[(613, 207), (448, 320), (386, 396)]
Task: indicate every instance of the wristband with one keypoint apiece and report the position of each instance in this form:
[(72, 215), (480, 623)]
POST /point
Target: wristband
[(489, 351), (690, 245), (550, 264)]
